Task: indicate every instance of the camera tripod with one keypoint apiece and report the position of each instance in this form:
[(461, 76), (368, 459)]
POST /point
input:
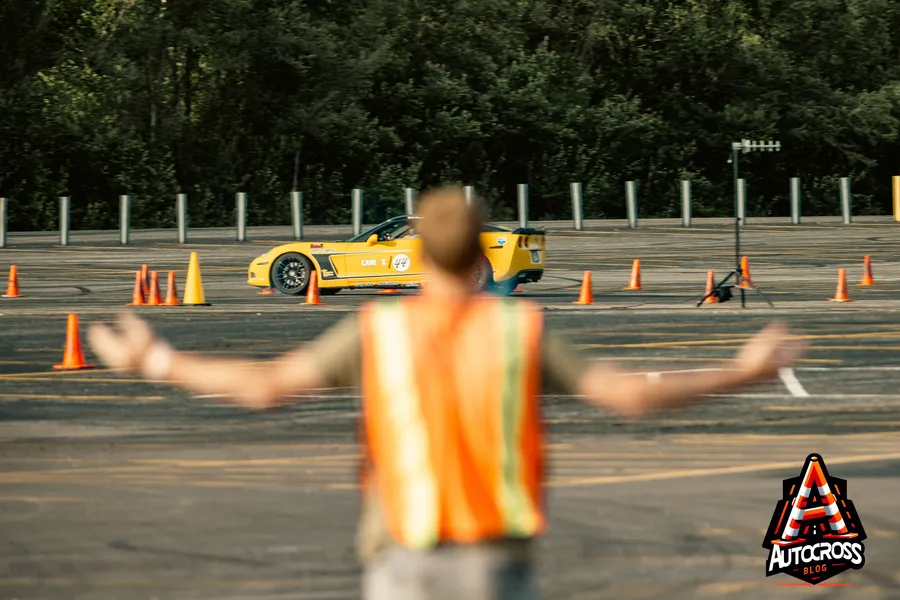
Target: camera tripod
[(720, 290)]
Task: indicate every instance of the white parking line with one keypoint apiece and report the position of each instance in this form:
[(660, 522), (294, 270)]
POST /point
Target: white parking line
[(792, 383)]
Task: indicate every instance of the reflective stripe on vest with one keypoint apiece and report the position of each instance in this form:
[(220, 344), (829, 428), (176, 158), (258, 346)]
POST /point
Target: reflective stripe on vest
[(452, 419)]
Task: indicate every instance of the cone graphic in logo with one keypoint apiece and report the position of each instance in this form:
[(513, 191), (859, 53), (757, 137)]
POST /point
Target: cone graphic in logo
[(73, 358), (635, 283), (710, 285), (745, 281), (193, 289), (154, 299), (12, 290), (171, 292), (867, 279), (145, 280), (587, 295), (312, 290), (841, 295), (137, 296)]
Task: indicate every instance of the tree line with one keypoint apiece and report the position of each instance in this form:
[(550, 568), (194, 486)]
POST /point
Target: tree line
[(157, 97)]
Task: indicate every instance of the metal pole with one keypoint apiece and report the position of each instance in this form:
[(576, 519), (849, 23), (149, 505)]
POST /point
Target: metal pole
[(124, 219), (297, 214), (739, 204), (241, 202), (2, 222), (470, 193), (181, 215), (357, 210), (522, 189), (742, 201), (895, 181), (795, 200), (685, 203), (410, 200), (631, 204), (577, 214), (64, 205), (845, 200)]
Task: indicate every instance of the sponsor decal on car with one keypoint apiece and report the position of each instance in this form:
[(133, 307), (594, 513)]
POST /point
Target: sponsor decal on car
[(501, 241), (369, 262), (400, 263), (315, 245)]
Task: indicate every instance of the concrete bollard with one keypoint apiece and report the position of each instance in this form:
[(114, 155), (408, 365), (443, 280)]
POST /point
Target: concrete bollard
[(577, 210), (65, 205), (631, 204), (522, 193), (685, 203), (124, 219), (356, 209), (181, 217), (410, 197), (846, 208), (469, 192), (297, 214), (795, 200), (2, 222), (240, 201)]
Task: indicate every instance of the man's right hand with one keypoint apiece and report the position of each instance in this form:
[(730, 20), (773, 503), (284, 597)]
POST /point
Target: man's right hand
[(766, 353)]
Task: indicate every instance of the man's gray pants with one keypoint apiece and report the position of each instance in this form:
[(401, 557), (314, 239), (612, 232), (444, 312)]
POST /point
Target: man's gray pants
[(454, 572)]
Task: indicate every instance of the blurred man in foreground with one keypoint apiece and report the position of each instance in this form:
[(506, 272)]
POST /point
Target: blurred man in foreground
[(451, 382)]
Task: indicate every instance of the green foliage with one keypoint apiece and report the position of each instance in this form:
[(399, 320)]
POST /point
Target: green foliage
[(106, 97)]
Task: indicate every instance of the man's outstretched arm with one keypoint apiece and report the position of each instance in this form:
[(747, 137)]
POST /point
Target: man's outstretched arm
[(635, 395), (257, 385)]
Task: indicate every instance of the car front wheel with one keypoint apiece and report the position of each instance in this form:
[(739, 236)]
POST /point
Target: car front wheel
[(290, 273)]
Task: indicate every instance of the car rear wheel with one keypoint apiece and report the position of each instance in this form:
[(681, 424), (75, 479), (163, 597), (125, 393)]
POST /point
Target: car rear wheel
[(290, 273), (505, 288), (484, 276)]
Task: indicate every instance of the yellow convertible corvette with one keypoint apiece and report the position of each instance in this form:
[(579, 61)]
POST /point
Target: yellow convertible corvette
[(387, 257)]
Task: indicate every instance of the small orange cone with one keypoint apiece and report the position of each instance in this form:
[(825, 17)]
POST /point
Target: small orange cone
[(745, 281), (266, 292), (171, 292), (137, 296), (312, 290), (145, 280), (12, 290), (587, 295), (867, 279), (710, 285), (841, 295), (154, 299), (635, 283), (389, 291), (73, 358)]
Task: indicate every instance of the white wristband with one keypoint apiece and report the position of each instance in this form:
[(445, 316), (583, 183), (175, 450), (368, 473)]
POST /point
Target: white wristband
[(157, 361)]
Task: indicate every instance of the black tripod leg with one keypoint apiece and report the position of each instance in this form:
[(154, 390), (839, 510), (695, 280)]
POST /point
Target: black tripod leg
[(716, 287)]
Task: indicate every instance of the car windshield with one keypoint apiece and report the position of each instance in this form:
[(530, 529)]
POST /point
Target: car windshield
[(396, 229)]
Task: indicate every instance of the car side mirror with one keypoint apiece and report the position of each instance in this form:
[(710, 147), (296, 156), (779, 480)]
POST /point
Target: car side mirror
[(372, 240)]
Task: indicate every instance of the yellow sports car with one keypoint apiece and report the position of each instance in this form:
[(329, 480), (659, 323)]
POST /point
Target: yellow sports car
[(387, 257)]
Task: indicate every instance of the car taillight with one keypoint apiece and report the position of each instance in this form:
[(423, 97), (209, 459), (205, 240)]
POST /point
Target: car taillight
[(521, 241)]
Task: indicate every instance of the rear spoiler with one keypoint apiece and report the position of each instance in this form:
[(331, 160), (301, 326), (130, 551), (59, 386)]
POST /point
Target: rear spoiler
[(529, 231)]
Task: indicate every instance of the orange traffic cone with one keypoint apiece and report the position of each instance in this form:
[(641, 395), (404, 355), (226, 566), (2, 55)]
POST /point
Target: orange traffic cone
[(12, 290), (635, 283), (587, 295), (266, 292), (389, 291), (171, 292), (73, 358), (841, 295), (710, 285), (137, 296), (154, 299), (145, 280), (745, 281), (312, 290), (867, 279)]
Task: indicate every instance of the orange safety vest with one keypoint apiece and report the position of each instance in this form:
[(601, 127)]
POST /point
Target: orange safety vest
[(451, 405)]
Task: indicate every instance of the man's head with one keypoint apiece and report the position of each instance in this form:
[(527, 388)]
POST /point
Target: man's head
[(450, 230)]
